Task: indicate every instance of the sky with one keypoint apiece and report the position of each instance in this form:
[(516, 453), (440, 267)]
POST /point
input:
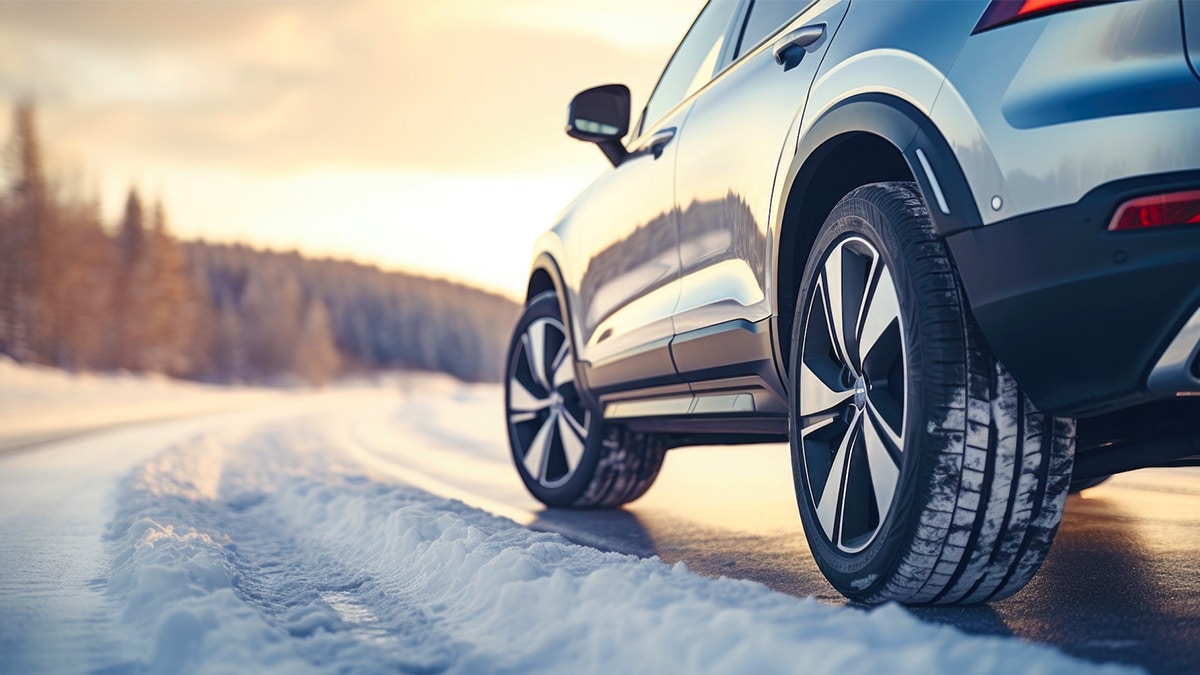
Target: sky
[(421, 135)]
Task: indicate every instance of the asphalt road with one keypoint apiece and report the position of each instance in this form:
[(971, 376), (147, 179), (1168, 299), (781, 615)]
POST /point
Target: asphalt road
[(1122, 583)]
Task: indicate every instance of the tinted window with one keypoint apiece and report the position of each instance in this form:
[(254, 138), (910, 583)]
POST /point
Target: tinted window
[(695, 60), (766, 17)]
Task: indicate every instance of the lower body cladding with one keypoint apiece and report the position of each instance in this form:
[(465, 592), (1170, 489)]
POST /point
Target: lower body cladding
[(1098, 325), (1089, 321), (729, 389)]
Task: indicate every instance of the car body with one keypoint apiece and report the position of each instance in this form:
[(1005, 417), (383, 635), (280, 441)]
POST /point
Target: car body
[(1046, 139)]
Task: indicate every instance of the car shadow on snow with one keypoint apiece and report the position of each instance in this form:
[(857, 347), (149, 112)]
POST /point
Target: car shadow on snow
[(615, 530)]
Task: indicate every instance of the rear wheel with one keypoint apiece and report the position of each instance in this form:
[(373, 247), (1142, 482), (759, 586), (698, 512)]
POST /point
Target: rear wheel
[(923, 474), (565, 453)]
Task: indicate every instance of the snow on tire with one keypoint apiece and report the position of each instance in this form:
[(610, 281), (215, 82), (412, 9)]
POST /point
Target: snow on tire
[(923, 473)]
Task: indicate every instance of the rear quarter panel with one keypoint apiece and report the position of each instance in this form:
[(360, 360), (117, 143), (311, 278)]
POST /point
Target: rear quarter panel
[(1041, 111)]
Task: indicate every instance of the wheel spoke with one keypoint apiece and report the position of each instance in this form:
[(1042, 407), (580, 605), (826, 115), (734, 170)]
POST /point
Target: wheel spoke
[(856, 522), (882, 310), (577, 425), (819, 424), (539, 447), (564, 367), (881, 423), (864, 297), (828, 508), (522, 400), (884, 471), (537, 352), (572, 442), (832, 285), (817, 397)]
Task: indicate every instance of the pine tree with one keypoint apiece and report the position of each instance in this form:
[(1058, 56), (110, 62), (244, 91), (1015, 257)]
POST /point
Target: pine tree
[(170, 313), (78, 282), (316, 357), (227, 358), (204, 330), (271, 307), (131, 236), (132, 291), (21, 237)]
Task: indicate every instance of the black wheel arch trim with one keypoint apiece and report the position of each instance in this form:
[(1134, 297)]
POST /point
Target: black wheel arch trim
[(545, 263), (908, 130)]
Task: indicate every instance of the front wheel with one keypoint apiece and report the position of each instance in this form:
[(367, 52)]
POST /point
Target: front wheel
[(923, 473), (565, 453)]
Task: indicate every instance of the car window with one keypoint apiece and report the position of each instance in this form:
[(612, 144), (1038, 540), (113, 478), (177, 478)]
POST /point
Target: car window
[(766, 17), (695, 60)]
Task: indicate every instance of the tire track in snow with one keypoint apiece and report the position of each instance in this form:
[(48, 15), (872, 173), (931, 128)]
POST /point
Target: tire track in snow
[(271, 550), (199, 536)]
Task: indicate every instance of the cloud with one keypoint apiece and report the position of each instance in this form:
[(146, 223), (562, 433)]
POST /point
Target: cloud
[(276, 87), (127, 24)]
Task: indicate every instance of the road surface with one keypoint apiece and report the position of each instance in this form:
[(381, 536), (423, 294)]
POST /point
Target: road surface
[(1122, 583)]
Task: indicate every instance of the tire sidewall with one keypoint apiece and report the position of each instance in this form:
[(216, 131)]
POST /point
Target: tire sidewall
[(860, 575), (546, 306)]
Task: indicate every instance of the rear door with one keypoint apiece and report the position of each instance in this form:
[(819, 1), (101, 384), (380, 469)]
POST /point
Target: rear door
[(728, 163)]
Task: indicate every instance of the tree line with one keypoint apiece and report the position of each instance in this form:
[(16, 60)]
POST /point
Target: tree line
[(81, 294)]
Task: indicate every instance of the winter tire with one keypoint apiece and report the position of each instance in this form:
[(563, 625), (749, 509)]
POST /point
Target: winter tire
[(565, 453), (923, 473)]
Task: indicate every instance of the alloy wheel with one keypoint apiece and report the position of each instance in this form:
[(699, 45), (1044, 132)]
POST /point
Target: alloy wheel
[(852, 394), (548, 419)]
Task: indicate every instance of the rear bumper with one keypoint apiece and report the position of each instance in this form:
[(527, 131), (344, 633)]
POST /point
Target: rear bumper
[(1083, 316)]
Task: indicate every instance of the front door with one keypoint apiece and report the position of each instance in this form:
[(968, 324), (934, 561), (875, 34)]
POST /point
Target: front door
[(628, 288)]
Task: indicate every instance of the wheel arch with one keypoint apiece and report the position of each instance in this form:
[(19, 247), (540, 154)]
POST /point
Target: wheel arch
[(545, 274), (865, 139), (540, 281)]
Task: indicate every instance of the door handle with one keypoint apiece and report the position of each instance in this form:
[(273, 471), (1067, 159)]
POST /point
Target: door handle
[(657, 141), (804, 38)]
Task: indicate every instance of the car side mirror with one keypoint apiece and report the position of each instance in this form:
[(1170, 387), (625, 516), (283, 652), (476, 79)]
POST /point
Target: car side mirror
[(600, 115)]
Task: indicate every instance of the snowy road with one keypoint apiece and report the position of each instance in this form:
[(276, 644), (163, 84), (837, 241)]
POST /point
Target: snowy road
[(1122, 583), (309, 533)]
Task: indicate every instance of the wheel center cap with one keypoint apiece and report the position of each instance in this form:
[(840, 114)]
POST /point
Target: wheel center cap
[(860, 393), (556, 400)]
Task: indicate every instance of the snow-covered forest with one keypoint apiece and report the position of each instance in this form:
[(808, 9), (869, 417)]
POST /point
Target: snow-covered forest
[(82, 294)]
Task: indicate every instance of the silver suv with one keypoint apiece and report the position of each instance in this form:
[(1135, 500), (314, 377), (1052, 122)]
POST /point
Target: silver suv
[(943, 248)]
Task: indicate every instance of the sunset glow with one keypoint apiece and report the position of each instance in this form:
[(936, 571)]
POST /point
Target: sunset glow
[(416, 135)]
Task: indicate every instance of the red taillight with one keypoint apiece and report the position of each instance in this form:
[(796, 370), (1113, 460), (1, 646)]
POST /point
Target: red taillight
[(1176, 208), (1001, 12)]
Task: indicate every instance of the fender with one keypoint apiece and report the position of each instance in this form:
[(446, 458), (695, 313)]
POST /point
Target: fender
[(911, 133)]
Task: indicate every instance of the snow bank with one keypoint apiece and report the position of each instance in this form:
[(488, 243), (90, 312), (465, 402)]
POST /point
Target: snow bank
[(36, 400), (28, 386), (269, 551)]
